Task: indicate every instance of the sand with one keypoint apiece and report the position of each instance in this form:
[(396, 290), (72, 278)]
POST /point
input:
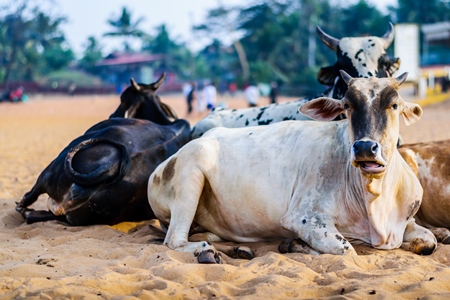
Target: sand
[(52, 260)]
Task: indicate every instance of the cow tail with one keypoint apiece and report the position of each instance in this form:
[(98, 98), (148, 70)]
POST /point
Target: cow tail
[(99, 175)]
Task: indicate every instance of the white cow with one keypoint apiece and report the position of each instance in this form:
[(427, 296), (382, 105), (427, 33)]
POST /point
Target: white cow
[(323, 183), (358, 56)]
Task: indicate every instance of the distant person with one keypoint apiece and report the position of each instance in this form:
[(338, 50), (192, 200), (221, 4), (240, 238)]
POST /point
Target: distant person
[(273, 92), (16, 95), (251, 93), (446, 83), (232, 88), (119, 88), (201, 106), (209, 96), (222, 88), (190, 97), (71, 88)]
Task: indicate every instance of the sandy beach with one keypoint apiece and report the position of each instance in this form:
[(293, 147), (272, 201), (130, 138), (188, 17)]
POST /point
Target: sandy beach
[(52, 260)]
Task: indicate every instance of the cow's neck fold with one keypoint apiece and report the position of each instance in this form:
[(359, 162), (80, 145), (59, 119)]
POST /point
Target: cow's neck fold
[(374, 188), (384, 210)]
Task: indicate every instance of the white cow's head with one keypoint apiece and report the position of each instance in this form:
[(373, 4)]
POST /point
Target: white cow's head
[(373, 108), (359, 57)]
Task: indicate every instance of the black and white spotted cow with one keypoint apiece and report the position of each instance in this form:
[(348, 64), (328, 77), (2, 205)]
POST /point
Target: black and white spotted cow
[(358, 56)]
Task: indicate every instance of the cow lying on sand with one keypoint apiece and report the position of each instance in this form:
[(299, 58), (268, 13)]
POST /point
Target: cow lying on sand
[(358, 56), (431, 162), (101, 177), (321, 183)]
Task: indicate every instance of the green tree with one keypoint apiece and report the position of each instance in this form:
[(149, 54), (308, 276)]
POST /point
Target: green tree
[(279, 40), (125, 28), (32, 43), (161, 43), (91, 55), (57, 57), (421, 12), (14, 38), (218, 62), (222, 21), (363, 19), (176, 56)]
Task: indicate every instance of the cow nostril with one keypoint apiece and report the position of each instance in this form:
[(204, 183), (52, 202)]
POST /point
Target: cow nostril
[(374, 148)]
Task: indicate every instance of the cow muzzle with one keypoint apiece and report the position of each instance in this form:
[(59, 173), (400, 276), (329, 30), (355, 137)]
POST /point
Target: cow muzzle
[(367, 156)]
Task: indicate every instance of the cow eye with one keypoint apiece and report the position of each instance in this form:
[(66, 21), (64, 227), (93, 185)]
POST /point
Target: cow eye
[(394, 106)]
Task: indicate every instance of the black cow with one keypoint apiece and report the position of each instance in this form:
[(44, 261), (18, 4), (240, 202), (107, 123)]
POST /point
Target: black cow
[(135, 104), (101, 177)]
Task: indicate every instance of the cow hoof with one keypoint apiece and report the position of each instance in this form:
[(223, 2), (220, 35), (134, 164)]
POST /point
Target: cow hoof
[(243, 253), (21, 209), (295, 246), (285, 246), (421, 247), (446, 241), (209, 257), (427, 250)]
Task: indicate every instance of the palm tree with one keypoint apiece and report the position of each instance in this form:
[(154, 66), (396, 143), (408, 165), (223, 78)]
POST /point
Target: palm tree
[(220, 22), (125, 27)]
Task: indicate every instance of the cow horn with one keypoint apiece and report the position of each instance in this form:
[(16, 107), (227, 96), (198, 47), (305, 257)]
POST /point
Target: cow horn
[(400, 79), (154, 86), (345, 76), (388, 37), (135, 85), (328, 40)]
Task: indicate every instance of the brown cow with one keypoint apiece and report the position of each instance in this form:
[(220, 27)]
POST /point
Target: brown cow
[(431, 163)]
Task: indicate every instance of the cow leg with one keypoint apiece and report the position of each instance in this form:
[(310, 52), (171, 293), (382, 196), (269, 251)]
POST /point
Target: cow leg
[(241, 252), (318, 231), (177, 239), (418, 239), (33, 216), (442, 234), (232, 251), (175, 202), (31, 197)]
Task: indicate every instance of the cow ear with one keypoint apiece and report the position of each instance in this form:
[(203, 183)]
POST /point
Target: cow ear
[(327, 75), (322, 109), (411, 113)]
